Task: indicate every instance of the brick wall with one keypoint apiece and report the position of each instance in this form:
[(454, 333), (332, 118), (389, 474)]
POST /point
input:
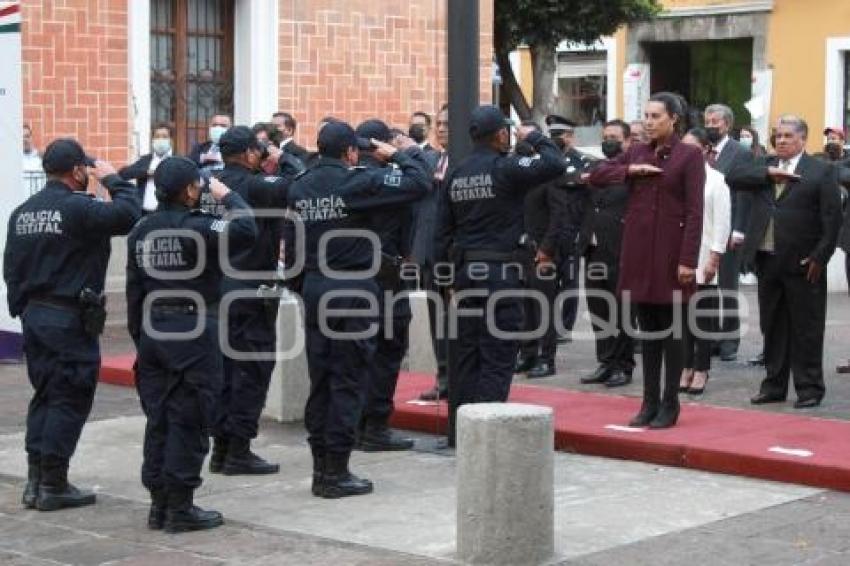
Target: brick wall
[(75, 73), (358, 59)]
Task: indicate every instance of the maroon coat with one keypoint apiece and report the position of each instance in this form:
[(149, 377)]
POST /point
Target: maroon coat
[(663, 222)]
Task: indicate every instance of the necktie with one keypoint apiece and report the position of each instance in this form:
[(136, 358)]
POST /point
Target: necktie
[(442, 165)]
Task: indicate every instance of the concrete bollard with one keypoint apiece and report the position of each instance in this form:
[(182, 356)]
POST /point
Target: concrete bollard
[(505, 484), (290, 383), (420, 354)]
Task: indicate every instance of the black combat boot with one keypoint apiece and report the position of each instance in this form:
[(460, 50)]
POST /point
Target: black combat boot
[(219, 454), (182, 516), (54, 491), (33, 478), (159, 502), (338, 481), (241, 461), (376, 436), (318, 470)]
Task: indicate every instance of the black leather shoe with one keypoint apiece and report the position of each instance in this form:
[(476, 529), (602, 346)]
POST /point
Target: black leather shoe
[(380, 438), (618, 379), (434, 394), (543, 369), (601, 375), (182, 516), (339, 482), (666, 417), (757, 361), (53, 498), (241, 461), (764, 398), (807, 403), (524, 364), (218, 455), (30, 496), (156, 515), (645, 416)]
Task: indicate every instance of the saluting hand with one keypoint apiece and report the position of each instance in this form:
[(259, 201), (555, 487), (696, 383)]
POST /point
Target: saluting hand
[(644, 170), (218, 190), (402, 142), (523, 131), (780, 175), (102, 169), (383, 151)]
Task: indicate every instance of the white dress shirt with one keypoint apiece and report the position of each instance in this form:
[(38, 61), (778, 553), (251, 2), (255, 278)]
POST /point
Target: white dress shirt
[(149, 201), (716, 220)]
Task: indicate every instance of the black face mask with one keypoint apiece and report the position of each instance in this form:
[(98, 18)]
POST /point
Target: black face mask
[(612, 148), (714, 136), (417, 133), (559, 141), (833, 150)]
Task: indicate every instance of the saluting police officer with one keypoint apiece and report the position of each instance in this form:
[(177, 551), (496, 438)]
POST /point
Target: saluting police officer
[(173, 288), (562, 132), (480, 226), (393, 226), (250, 321), (57, 250), (340, 306)]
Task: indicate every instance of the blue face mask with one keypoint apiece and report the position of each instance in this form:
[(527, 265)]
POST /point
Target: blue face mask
[(216, 132), (746, 143)]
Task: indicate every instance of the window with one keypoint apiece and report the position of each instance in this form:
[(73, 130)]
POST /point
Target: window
[(191, 65)]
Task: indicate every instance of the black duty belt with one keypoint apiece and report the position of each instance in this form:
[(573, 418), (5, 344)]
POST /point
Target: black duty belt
[(58, 302), (488, 255)]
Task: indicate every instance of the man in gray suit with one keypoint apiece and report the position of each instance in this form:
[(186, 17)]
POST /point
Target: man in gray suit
[(725, 155)]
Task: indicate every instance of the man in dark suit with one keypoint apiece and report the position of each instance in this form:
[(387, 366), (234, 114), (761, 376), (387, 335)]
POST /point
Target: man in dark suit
[(141, 171), (796, 215), (287, 124), (726, 153), (599, 242), (206, 154), (844, 244), (420, 132)]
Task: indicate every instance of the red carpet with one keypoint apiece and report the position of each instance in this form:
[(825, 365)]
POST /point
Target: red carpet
[(779, 447)]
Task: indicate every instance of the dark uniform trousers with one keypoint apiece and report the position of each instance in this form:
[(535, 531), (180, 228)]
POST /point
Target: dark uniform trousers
[(793, 317), (339, 366), (546, 282), (568, 277), (179, 384), (482, 364), (246, 382), (391, 346), (600, 282), (62, 364)]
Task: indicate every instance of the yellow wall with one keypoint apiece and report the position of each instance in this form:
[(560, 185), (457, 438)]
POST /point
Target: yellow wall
[(796, 51)]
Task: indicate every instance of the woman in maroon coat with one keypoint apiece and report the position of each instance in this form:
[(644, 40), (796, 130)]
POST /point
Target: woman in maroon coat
[(661, 240)]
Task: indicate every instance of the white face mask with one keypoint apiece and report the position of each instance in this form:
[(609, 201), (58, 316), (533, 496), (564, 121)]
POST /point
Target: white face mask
[(161, 146), (747, 143), (216, 133)]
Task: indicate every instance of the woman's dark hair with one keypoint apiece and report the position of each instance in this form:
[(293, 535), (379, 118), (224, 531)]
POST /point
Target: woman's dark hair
[(701, 136), (756, 148), (674, 105)]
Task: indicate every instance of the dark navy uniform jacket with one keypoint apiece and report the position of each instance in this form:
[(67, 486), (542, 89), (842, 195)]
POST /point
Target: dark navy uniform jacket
[(482, 205), (58, 241), (156, 245), (260, 192), (331, 195)]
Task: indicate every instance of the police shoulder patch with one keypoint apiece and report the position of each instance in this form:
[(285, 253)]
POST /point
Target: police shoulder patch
[(271, 179), (393, 179), (526, 161), (218, 225)]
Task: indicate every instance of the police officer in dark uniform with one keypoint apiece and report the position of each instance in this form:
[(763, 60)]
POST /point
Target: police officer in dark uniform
[(179, 376), (599, 242), (250, 321), (340, 307), (57, 250), (562, 132), (480, 225), (393, 227)]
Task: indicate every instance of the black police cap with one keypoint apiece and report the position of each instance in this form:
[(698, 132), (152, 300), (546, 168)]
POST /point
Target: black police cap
[(486, 120), (559, 123), (174, 174), (63, 154), (236, 140), (336, 137), (374, 129)]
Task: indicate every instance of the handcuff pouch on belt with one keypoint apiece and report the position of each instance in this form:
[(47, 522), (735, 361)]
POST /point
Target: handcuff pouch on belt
[(92, 311)]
